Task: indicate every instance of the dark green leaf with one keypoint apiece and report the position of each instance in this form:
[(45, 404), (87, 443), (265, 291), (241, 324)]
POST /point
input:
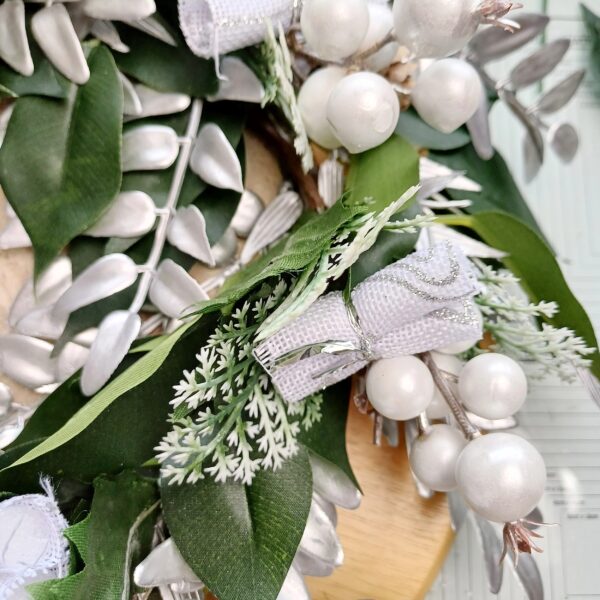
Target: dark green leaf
[(241, 540), (60, 164), (413, 128), (592, 26)]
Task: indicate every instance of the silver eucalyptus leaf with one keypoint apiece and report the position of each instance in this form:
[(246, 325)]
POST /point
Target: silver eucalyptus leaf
[(149, 148), (320, 539), (6, 398), (560, 95), (479, 129), (391, 432), (225, 249), (42, 322), (531, 159), (174, 290), (429, 169), (106, 32), (310, 566), (238, 82), (132, 214), (117, 10), (214, 159), (106, 276), (27, 360), (529, 575), (277, 219), (132, 105), (82, 23), (156, 103), (187, 232), (116, 333), (333, 484), (539, 64), (14, 46), (154, 28), (70, 360), (329, 507), (458, 511), (527, 121), (411, 433), (293, 587), (54, 32), (331, 181), (564, 140), (5, 115), (470, 246), (492, 552), (492, 43), (14, 236), (249, 208)]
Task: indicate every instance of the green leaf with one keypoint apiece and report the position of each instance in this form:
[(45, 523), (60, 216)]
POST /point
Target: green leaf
[(592, 26), (60, 164), (383, 174), (413, 128), (166, 68), (115, 536), (533, 262), (241, 540)]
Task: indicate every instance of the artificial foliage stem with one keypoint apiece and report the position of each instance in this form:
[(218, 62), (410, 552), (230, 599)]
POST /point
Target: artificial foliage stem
[(166, 214)]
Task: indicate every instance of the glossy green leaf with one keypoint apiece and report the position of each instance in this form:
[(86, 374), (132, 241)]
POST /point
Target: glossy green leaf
[(241, 540), (592, 26), (60, 164), (413, 128)]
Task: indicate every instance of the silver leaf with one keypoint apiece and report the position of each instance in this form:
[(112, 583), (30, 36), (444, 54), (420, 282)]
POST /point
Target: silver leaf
[(225, 249), (6, 399), (278, 217), (117, 10), (531, 159), (327, 506), (156, 103), (115, 335), (70, 360), (132, 214), (293, 587), (390, 430), (5, 115), (149, 148), (14, 47), (14, 236), (248, 210), (187, 232), (320, 539), (238, 82), (214, 160), (479, 130), (107, 276), (411, 432), (492, 552), (42, 322), (493, 43), (27, 360), (333, 484), (106, 32), (458, 511), (331, 181), (312, 567), (174, 290), (529, 575), (564, 140), (132, 105), (530, 125), (154, 28), (539, 64), (86, 338), (561, 94), (429, 169), (53, 31), (471, 247)]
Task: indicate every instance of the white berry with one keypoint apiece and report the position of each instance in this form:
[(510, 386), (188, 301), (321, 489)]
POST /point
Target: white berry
[(334, 29), (447, 94), (363, 110), (399, 388), (501, 477), (492, 386), (457, 347), (381, 23), (312, 102), (438, 409), (435, 28), (433, 457)]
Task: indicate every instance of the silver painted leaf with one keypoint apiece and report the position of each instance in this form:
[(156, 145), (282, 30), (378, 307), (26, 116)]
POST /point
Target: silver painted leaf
[(5, 115), (149, 148), (564, 140), (492, 552), (156, 103), (116, 333), (471, 247), (320, 539), (250, 207), (310, 566), (174, 291), (6, 398), (333, 484), (293, 587), (238, 82), (391, 432), (458, 510), (132, 214), (429, 169), (531, 159), (479, 130), (529, 575), (330, 181), (527, 121), (27, 360), (14, 47), (214, 159), (132, 105), (154, 28), (539, 64), (187, 232), (411, 432), (70, 360), (106, 32), (54, 32), (14, 236), (42, 322), (107, 276), (225, 249), (327, 506), (492, 43), (561, 94), (276, 220), (118, 10)]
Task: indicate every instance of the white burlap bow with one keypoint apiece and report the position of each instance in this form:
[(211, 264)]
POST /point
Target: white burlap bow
[(214, 27), (420, 303)]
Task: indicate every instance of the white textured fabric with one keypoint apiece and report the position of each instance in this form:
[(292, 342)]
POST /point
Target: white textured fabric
[(32, 545), (419, 303), (214, 27)]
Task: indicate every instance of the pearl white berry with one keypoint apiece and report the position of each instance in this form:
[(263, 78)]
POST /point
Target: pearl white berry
[(501, 477), (334, 29), (399, 388), (457, 347), (447, 94), (492, 386), (312, 102), (438, 409), (381, 23), (433, 457), (435, 28), (363, 110)]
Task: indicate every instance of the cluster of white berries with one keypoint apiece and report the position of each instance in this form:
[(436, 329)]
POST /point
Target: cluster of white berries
[(349, 102), (500, 475)]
